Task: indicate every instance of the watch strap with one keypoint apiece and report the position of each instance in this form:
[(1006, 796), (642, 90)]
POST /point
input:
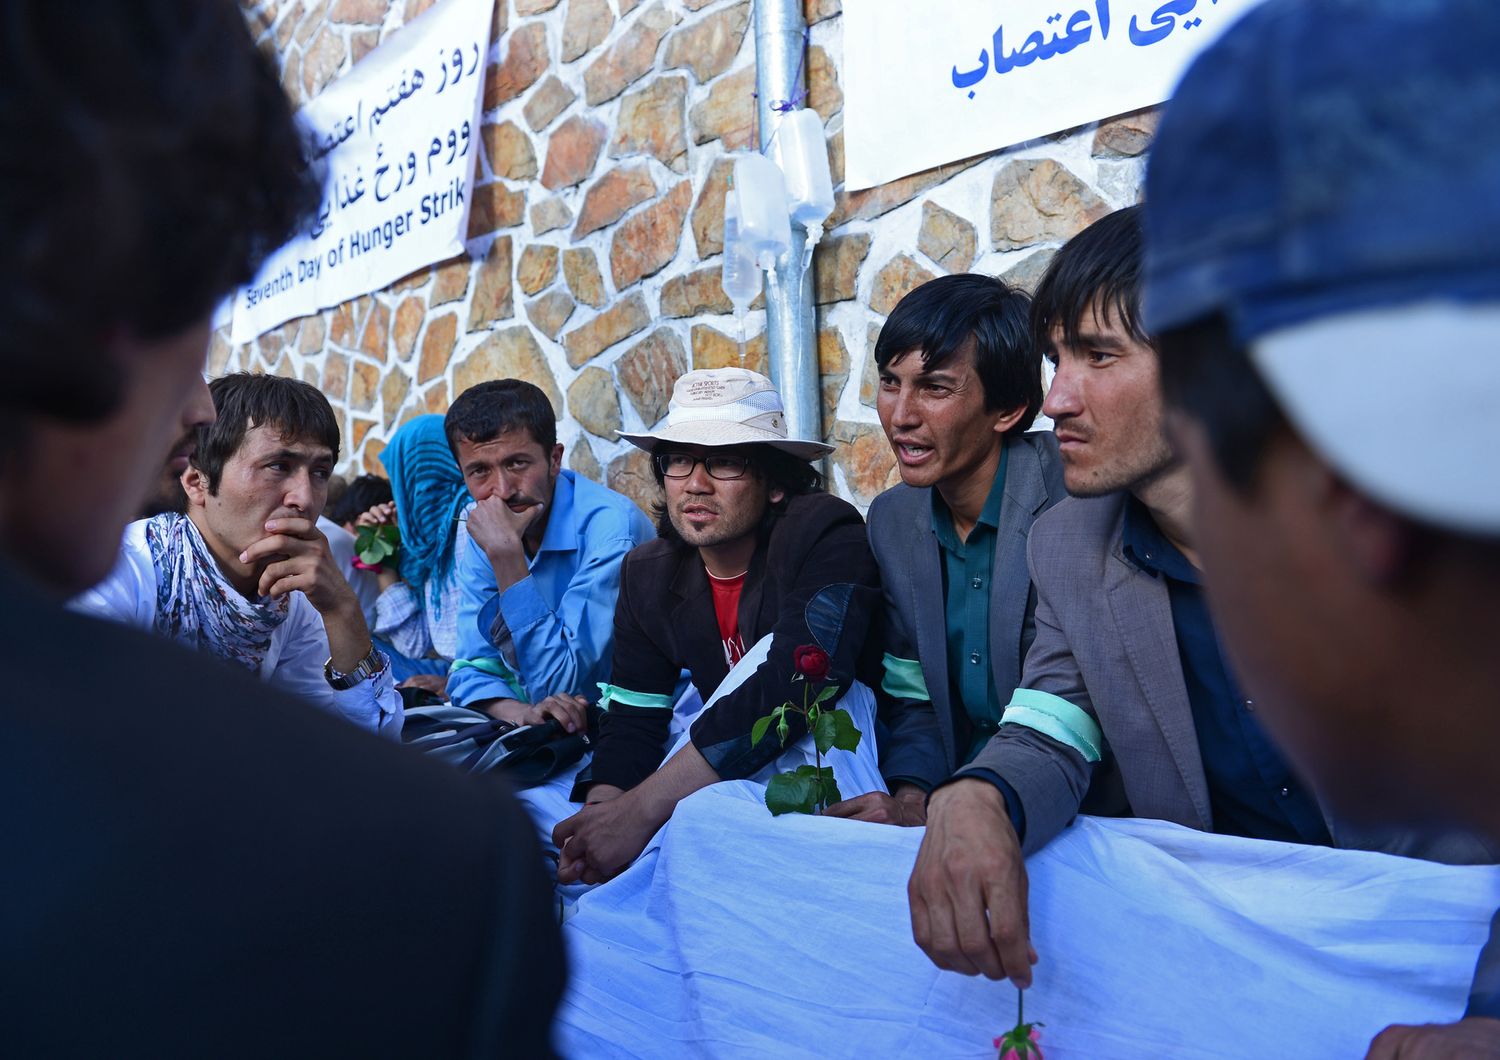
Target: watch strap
[(373, 663)]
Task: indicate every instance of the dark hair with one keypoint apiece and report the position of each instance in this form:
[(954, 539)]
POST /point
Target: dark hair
[(1100, 266), (337, 484), (779, 469), (152, 164), (945, 315), (361, 495), (297, 410), (489, 409), (1207, 375)]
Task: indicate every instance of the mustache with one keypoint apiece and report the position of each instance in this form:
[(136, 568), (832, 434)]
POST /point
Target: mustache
[(524, 499), (1072, 425)]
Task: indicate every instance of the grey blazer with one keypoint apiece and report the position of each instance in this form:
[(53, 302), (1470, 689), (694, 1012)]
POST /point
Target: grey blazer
[(920, 743), (1105, 642)]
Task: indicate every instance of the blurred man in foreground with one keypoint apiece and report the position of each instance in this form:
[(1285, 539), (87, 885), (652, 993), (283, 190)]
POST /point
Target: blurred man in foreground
[(195, 863), (1324, 271)]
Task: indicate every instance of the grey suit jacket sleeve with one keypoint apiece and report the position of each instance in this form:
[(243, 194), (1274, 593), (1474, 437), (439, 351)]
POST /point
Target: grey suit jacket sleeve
[(1049, 777)]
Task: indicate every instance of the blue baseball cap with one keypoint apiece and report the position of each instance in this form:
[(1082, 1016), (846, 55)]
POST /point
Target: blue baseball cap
[(1327, 177)]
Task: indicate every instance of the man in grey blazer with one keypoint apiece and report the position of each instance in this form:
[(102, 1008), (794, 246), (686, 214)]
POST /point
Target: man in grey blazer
[(1126, 706), (960, 382)]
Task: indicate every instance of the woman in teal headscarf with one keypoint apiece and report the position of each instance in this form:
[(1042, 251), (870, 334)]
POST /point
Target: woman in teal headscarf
[(417, 610)]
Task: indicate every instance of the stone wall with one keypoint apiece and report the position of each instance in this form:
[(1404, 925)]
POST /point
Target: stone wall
[(593, 254)]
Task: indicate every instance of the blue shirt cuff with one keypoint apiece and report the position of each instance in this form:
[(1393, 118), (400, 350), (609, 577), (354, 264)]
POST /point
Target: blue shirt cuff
[(522, 605), (1012, 800)]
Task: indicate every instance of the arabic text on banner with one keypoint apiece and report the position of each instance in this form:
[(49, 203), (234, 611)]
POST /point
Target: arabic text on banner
[(927, 84), (397, 135)]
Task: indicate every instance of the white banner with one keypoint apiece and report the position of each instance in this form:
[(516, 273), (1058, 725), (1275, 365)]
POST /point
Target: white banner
[(398, 135), (932, 83)]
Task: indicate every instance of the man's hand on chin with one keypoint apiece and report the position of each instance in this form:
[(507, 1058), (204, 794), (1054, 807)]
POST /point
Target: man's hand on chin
[(601, 840), (1469, 1039), (298, 559)]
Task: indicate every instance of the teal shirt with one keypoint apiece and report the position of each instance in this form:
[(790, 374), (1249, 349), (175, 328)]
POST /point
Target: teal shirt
[(967, 567)]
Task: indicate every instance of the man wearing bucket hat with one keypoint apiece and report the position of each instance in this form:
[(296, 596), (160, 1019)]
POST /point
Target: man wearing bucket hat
[(1323, 268), (748, 540)]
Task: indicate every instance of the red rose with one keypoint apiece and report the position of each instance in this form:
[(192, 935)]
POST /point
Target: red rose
[(810, 661)]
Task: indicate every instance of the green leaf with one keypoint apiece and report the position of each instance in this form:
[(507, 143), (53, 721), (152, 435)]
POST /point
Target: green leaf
[(845, 734), (790, 793), (828, 789), (806, 770), (826, 731), (758, 730), (375, 544), (829, 691)]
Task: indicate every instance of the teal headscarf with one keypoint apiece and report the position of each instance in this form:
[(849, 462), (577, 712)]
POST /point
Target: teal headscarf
[(429, 492)]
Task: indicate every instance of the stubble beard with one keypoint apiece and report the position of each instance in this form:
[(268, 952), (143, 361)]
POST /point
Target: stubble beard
[(724, 530), (1133, 473)]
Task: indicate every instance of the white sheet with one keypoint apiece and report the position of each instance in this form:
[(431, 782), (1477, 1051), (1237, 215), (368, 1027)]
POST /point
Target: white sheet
[(740, 935)]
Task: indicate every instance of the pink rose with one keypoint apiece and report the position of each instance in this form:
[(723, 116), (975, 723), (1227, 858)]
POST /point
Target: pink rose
[(1021, 1043)]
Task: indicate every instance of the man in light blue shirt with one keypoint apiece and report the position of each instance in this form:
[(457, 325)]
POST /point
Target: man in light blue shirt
[(536, 617)]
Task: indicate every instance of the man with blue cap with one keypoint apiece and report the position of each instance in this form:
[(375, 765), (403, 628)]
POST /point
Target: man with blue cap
[(1323, 269)]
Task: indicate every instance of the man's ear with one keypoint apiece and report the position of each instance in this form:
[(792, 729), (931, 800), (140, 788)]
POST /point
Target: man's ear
[(1009, 419), (195, 485), (1378, 542), (776, 495), (555, 464)]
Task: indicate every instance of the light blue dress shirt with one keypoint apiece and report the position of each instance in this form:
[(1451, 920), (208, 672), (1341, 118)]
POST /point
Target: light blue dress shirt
[(558, 621)]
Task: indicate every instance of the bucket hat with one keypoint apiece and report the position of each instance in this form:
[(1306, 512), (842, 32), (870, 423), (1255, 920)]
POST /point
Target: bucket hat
[(726, 406)]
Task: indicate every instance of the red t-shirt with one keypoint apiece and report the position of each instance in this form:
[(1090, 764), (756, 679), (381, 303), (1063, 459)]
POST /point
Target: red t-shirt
[(727, 610)]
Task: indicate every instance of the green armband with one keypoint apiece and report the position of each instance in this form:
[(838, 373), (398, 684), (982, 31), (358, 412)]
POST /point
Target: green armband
[(903, 678), (609, 693), (1055, 717), (495, 667)]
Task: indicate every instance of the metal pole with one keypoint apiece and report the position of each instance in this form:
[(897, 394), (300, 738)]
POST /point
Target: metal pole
[(791, 345)]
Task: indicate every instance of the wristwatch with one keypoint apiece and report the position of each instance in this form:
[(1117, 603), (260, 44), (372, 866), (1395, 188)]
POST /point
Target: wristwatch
[(368, 667)]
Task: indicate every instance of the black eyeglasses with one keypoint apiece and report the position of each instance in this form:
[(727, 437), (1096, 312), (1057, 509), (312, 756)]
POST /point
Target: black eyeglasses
[(719, 466)]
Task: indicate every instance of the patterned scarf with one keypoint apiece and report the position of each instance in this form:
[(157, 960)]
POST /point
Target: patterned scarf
[(196, 605)]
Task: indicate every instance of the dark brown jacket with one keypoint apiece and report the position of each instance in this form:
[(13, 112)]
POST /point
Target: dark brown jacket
[(664, 623)]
